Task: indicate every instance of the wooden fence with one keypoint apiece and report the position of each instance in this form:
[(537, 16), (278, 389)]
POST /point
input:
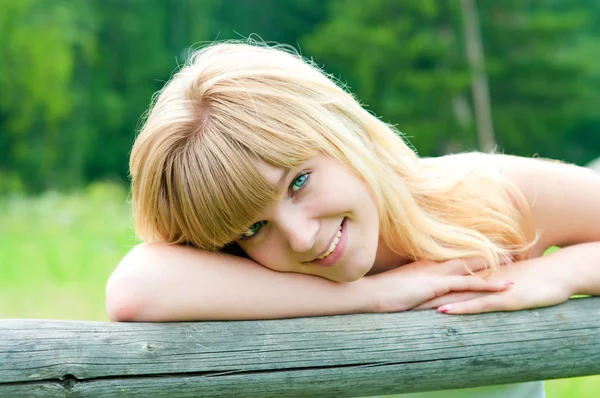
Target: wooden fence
[(354, 355)]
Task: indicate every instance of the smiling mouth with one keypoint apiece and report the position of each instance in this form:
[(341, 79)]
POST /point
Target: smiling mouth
[(333, 244)]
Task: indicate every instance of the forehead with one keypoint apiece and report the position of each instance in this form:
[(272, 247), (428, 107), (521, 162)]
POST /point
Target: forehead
[(273, 175)]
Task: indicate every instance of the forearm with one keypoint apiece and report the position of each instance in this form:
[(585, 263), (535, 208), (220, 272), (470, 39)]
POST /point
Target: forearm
[(581, 266), (166, 283)]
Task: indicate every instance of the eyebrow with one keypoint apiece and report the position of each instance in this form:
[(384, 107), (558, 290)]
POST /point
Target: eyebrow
[(286, 172)]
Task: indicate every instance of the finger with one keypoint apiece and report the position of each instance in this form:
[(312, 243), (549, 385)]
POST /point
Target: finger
[(474, 283), (488, 303), (453, 297)]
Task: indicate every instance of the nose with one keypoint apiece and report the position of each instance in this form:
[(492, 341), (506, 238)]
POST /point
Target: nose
[(299, 229)]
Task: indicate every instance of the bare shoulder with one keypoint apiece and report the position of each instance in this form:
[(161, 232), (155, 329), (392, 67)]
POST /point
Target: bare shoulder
[(539, 170), (564, 198), (457, 159), (456, 164)]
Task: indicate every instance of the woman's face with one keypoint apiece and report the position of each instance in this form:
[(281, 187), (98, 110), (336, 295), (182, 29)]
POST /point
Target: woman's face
[(324, 223)]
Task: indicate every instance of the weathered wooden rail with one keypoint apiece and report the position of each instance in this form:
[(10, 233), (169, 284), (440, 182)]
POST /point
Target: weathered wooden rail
[(356, 355)]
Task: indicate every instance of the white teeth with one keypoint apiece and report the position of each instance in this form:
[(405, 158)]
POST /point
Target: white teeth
[(333, 245)]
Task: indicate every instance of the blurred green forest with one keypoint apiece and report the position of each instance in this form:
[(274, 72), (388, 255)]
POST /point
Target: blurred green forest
[(76, 76)]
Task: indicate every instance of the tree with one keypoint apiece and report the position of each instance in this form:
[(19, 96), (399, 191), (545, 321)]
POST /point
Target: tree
[(44, 39), (405, 60)]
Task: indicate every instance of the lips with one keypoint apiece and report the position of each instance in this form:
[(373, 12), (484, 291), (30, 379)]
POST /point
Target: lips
[(336, 248), (332, 245)]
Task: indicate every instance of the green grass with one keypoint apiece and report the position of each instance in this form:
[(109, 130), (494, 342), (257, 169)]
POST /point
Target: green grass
[(57, 251)]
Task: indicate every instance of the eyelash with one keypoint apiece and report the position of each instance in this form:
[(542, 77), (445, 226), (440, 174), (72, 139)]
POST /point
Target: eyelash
[(292, 192)]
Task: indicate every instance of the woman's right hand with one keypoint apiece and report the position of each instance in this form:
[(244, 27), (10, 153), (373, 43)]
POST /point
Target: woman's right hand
[(410, 285)]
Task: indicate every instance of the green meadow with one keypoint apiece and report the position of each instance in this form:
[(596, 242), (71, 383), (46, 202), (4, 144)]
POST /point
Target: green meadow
[(58, 250)]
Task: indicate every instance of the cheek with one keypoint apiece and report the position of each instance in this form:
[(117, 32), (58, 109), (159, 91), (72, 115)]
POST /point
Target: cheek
[(332, 198), (269, 254)]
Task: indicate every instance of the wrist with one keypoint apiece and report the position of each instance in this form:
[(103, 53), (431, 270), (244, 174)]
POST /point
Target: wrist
[(579, 267), (365, 292), (585, 279)]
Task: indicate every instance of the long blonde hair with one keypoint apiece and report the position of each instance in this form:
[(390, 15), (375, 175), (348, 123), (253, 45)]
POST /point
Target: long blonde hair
[(193, 180)]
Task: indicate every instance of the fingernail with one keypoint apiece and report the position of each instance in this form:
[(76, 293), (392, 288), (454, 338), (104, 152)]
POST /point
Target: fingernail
[(508, 283), (445, 308)]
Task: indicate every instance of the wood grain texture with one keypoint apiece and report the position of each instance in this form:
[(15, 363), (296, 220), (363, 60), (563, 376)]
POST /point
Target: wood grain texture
[(353, 355)]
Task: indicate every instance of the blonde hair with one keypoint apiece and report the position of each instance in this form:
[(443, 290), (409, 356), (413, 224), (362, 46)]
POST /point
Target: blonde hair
[(193, 179)]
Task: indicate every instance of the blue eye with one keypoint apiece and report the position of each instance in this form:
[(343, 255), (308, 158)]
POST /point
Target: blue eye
[(299, 182), (252, 230)]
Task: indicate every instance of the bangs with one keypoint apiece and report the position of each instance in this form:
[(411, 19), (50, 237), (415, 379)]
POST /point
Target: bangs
[(224, 192), (221, 192)]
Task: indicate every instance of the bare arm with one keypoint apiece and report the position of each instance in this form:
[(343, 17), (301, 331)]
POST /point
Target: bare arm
[(170, 283), (565, 205), (175, 283)]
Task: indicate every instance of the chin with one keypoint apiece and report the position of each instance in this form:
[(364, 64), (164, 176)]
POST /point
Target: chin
[(349, 279), (351, 275)]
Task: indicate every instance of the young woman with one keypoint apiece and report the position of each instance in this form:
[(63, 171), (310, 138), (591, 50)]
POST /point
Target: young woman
[(264, 190)]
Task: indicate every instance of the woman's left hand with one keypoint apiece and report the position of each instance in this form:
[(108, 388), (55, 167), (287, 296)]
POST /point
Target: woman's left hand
[(539, 282)]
